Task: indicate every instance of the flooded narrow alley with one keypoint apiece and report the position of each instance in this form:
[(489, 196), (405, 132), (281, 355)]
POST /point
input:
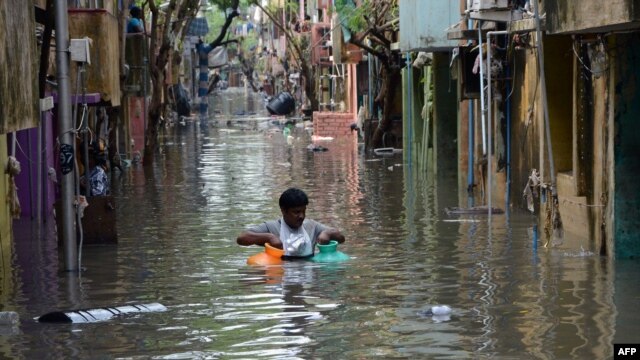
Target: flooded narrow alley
[(177, 223)]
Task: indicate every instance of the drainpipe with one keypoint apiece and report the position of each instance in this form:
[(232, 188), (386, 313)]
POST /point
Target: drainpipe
[(410, 109), (543, 86), (30, 156), (65, 134), (370, 97), (482, 108), (490, 121), (508, 195), (471, 146), (471, 139), (39, 168), (483, 113)]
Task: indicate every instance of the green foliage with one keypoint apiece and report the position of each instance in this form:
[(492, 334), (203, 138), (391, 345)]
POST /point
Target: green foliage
[(292, 6), (216, 19), (224, 4), (216, 16), (353, 16), (359, 18)]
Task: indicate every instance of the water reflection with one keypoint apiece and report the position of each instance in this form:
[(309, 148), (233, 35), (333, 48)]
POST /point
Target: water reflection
[(177, 224)]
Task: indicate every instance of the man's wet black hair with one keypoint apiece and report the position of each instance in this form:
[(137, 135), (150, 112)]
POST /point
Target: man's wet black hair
[(293, 197)]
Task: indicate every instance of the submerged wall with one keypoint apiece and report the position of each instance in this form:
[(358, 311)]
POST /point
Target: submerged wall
[(445, 108), (626, 147), (525, 126), (333, 124)]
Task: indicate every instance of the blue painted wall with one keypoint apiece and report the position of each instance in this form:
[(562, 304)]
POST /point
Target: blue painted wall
[(627, 149), (423, 24)]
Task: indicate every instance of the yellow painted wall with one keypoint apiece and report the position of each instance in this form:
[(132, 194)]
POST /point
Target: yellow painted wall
[(6, 235), (525, 129), (559, 70), (18, 67)]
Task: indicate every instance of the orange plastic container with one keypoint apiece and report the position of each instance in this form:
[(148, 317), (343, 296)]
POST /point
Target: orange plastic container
[(270, 256)]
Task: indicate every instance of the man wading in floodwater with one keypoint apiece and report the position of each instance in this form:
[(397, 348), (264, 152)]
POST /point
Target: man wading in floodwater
[(293, 233)]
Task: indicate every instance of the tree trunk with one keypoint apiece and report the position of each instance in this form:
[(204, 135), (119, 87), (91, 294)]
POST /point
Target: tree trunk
[(310, 84), (387, 93), (155, 106), (151, 133)]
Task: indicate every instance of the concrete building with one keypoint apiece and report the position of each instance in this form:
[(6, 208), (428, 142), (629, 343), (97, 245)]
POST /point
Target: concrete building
[(576, 173)]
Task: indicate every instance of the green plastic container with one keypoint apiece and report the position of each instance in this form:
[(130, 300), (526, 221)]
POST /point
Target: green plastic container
[(329, 253)]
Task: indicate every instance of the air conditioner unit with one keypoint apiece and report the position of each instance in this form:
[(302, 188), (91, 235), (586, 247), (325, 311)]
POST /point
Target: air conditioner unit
[(480, 5)]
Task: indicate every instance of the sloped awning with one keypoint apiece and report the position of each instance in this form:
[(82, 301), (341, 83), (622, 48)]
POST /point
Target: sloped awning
[(198, 27)]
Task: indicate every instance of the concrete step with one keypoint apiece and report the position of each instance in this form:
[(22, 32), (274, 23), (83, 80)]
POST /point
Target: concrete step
[(566, 184), (575, 215)]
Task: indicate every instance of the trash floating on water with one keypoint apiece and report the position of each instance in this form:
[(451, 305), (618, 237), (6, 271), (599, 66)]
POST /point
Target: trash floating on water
[(321, 138), (313, 147), (438, 313), (579, 253), (437, 310), (8, 318), (462, 220), (100, 314), (9, 323), (386, 151), (478, 210), (282, 104)]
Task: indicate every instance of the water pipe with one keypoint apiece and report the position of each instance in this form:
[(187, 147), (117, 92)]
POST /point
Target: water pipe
[(543, 88), (14, 141), (490, 119), (370, 99), (39, 168), (98, 314), (508, 110), (482, 107), (410, 109), (470, 141), (29, 155), (471, 146), (65, 136)]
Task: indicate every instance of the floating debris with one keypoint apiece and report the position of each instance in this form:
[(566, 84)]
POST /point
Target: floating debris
[(386, 151), (100, 314), (313, 147), (438, 313), (478, 210)]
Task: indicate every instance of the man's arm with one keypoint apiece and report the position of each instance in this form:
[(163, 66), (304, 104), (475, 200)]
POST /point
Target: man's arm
[(330, 234), (247, 238)]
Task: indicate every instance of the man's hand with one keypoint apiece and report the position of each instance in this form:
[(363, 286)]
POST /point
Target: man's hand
[(330, 234), (247, 238), (275, 241), (324, 238)]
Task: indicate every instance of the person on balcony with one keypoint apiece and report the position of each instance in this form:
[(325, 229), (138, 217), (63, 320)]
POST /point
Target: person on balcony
[(135, 25), (98, 183)]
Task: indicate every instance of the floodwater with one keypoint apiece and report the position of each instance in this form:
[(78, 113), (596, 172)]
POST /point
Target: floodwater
[(177, 223)]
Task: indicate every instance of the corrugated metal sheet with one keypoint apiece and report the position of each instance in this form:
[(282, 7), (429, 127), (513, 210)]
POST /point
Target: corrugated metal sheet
[(18, 66), (424, 23)]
